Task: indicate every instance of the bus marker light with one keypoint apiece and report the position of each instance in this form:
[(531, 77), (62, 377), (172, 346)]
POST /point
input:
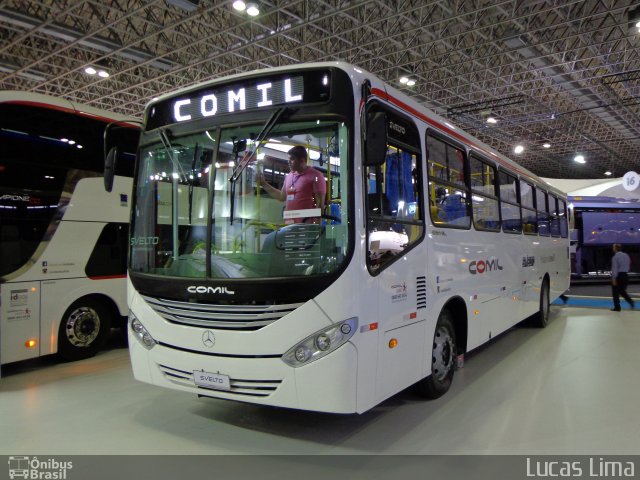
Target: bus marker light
[(476, 312), (30, 343), (393, 343), (368, 328), (413, 315), (33, 289)]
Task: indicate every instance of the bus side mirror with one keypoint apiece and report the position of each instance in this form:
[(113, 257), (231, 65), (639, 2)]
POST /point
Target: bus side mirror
[(376, 141), (110, 168)]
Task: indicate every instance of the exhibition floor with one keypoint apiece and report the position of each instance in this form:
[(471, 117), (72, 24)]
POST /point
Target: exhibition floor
[(572, 388)]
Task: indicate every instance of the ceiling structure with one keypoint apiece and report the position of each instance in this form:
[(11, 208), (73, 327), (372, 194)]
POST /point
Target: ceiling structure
[(562, 72)]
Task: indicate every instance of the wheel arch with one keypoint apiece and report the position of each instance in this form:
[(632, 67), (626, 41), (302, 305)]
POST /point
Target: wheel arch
[(460, 318)]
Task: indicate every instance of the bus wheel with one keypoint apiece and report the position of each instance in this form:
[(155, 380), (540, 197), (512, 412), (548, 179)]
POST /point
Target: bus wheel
[(542, 317), (443, 359), (84, 329)]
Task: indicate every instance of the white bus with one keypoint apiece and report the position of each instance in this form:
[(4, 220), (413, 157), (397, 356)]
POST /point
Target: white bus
[(430, 243), (63, 238)]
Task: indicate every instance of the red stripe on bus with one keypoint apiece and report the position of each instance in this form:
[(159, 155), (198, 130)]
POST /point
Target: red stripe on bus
[(385, 96), (71, 110), (108, 277)]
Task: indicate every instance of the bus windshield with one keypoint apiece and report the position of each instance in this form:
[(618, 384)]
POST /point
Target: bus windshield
[(192, 221)]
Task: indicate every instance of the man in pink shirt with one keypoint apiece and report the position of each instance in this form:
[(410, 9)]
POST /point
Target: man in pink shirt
[(304, 187)]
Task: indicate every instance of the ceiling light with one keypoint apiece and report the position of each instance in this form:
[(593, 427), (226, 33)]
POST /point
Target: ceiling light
[(579, 159), (546, 145), (518, 149), (492, 120), (79, 146), (403, 80), (90, 70), (411, 83), (72, 142), (65, 140), (239, 5), (252, 9), (103, 74), (608, 173)]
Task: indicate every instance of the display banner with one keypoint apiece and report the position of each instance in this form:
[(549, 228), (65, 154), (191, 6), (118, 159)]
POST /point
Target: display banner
[(307, 467)]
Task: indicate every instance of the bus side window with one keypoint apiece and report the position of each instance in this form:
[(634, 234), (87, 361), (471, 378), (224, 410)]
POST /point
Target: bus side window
[(543, 212), (486, 209), (555, 216), (510, 203), (448, 193)]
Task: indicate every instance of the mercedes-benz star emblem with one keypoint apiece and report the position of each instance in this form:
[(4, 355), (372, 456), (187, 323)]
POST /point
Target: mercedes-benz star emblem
[(208, 338)]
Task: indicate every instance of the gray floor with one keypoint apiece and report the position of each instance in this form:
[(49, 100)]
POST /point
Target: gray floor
[(572, 388)]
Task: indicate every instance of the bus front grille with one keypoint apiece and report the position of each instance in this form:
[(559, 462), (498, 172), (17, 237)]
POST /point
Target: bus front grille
[(244, 387), (224, 317)]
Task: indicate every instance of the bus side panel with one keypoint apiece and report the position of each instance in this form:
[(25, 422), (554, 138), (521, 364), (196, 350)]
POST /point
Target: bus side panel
[(403, 335), (19, 321)]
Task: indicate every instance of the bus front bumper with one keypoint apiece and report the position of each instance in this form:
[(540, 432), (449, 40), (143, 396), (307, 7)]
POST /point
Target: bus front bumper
[(328, 384)]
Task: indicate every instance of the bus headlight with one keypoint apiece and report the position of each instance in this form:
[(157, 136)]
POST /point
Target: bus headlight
[(141, 333), (320, 343)]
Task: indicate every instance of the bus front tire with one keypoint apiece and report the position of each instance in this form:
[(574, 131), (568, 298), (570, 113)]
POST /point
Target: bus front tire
[(443, 359), (84, 329)]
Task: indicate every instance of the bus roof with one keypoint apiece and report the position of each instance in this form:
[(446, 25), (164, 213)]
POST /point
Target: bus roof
[(61, 104)]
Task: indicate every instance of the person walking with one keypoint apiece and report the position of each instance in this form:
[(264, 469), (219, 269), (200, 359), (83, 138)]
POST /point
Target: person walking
[(620, 264)]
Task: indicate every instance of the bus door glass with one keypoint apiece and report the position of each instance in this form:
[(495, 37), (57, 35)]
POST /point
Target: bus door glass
[(395, 221)]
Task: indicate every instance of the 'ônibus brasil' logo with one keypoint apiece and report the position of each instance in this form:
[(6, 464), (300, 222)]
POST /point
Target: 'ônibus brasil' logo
[(482, 266), (203, 289)]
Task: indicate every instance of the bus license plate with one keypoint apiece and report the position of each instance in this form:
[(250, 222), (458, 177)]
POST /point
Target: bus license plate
[(211, 380)]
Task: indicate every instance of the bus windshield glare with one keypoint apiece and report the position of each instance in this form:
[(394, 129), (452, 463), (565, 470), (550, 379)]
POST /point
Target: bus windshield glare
[(192, 221)]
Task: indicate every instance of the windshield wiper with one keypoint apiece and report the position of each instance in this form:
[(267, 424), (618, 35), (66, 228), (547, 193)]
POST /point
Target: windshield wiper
[(271, 122), (264, 133)]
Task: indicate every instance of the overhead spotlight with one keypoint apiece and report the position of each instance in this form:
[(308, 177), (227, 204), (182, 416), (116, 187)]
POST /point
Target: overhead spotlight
[(518, 149), (546, 145), (90, 71), (492, 120), (579, 159), (404, 80), (252, 9), (103, 74), (608, 173), (239, 5), (411, 83)]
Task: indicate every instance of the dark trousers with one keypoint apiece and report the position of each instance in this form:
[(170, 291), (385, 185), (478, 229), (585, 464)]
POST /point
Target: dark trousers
[(622, 280)]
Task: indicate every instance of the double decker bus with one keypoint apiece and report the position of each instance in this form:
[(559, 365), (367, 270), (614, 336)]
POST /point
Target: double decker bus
[(429, 244), (63, 238)]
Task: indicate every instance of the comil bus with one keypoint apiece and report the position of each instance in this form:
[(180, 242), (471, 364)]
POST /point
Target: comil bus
[(63, 238), (427, 239)]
